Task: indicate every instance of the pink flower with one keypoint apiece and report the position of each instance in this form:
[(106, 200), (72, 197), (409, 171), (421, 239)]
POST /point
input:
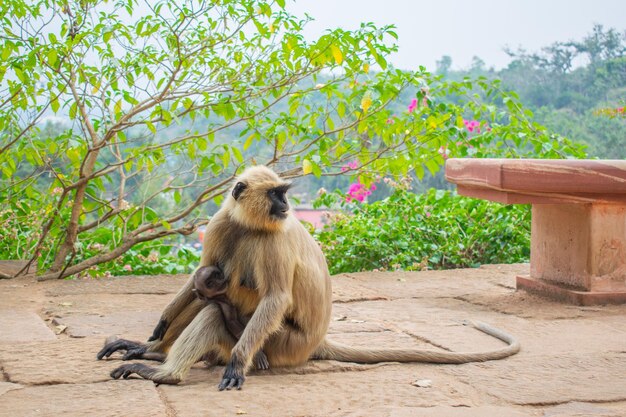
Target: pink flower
[(472, 125), (350, 165), (444, 152), (428, 214), (127, 268), (390, 121), (620, 109), (413, 105), (373, 187), (57, 190), (357, 191)]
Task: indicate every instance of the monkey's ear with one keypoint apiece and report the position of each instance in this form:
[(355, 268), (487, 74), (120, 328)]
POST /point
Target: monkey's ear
[(239, 187)]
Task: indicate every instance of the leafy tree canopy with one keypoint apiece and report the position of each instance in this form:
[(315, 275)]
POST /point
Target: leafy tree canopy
[(162, 103)]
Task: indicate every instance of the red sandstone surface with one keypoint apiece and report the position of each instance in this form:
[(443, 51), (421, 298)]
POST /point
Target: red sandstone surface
[(572, 363)]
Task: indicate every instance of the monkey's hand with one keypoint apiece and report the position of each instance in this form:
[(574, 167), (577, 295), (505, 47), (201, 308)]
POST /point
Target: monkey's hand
[(144, 371), (121, 344), (260, 361), (135, 353), (159, 331), (233, 375)]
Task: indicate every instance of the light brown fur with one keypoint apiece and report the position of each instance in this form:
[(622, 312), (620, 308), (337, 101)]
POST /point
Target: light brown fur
[(290, 298)]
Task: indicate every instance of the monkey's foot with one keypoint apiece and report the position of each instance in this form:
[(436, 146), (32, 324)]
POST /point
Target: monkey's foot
[(132, 348), (233, 376), (159, 331), (260, 361), (144, 371)]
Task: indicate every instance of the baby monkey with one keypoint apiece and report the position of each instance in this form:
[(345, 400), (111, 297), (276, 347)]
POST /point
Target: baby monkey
[(210, 285)]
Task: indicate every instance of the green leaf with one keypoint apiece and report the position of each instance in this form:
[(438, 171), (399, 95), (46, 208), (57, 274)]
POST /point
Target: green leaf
[(151, 127), (6, 52), (73, 110), (237, 153), (117, 109), (225, 158), (249, 141), (337, 55), (52, 57), (54, 104), (307, 167)]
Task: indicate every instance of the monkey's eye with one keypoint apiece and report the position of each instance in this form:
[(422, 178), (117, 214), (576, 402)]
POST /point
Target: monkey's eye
[(238, 189)]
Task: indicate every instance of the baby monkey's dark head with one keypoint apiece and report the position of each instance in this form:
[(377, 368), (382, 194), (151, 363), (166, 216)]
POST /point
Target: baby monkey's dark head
[(209, 282)]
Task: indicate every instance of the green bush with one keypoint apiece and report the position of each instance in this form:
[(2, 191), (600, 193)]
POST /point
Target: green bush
[(435, 230), (147, 258)]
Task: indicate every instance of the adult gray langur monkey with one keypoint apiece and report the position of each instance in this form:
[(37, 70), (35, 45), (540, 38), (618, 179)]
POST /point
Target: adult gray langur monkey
[(278, 275)]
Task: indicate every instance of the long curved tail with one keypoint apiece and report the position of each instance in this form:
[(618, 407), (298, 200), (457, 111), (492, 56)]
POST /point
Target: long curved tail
[(340, 352)]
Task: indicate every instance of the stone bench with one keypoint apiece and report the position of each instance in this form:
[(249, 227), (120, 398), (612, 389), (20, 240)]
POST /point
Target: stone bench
[(578, 229)]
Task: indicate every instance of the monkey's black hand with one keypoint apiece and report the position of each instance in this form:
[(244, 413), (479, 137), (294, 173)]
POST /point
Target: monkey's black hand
[(144, 371), (260, 361), (233, 376), (159, 331), (135, 353), (128, 369), (119, 344)]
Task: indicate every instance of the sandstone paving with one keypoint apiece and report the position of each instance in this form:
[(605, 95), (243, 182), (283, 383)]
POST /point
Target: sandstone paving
[(134, 327), (77, 304), (9, 386), (62, 361), (449, 283), (580, 409), (322, 394), (348, 289), (23, 326), (572, 363), (111, 399), (140, 284), (523, 304), (539, 379), (447, 411)]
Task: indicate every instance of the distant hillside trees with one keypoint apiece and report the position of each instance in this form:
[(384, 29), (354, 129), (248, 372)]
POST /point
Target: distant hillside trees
[(567, 84)]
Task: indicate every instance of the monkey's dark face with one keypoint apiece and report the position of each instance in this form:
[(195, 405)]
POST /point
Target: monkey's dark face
[(274, 198), (280, 205), (259, 200)]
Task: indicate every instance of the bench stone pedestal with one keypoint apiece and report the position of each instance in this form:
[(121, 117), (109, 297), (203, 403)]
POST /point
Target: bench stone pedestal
[(578, 232)]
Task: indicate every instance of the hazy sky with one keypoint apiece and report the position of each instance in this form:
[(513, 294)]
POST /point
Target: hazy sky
[(465, 28)]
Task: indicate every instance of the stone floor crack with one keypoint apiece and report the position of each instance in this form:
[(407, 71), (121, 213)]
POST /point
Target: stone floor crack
[(5, 375), (169, 409)]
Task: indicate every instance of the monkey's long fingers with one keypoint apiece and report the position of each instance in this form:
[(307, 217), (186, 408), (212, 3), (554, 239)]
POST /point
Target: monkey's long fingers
[(230, 383), (222, 385), (159, 331), (120, 344), (261, 361), (122, 371), (144, 371), (135, 353), (233, 377)]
